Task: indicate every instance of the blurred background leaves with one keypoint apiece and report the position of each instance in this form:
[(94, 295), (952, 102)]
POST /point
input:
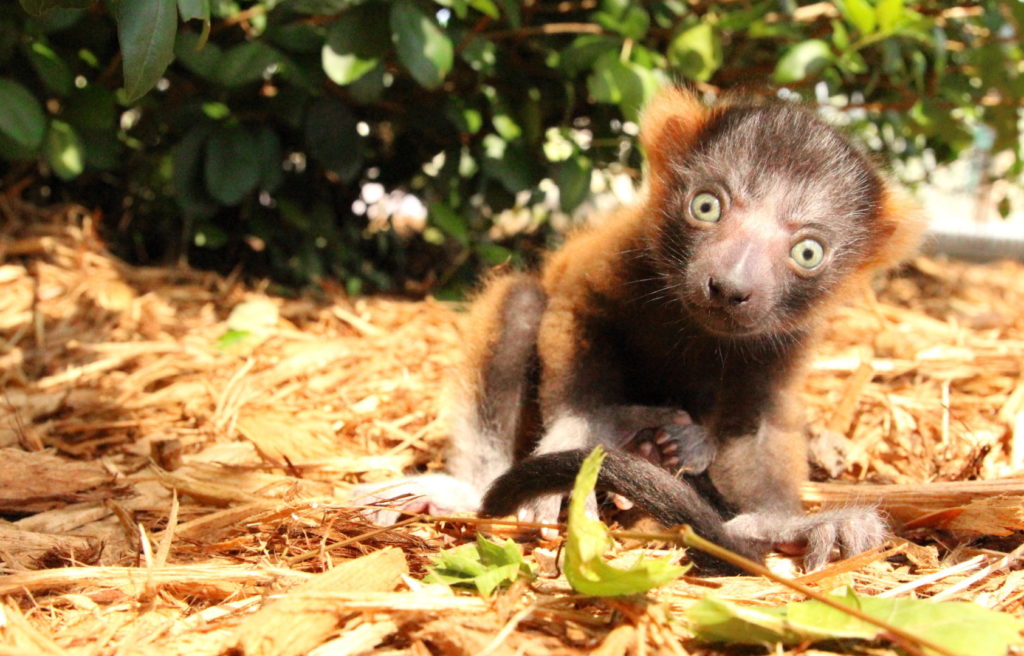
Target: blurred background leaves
[(401, 145)]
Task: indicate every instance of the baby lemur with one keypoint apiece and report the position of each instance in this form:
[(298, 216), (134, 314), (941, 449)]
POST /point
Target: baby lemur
[(689, 313)]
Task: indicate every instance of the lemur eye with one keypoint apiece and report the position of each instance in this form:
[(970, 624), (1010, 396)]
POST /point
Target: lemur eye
[(808, 253), (706, 207)]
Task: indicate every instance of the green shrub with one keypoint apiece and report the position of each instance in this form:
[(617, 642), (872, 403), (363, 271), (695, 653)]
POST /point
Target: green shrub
[(395, 144)]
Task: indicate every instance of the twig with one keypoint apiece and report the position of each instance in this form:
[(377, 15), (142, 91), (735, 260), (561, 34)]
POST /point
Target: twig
[(549, 28), (485, 521), (309, 555), (965, 566), (1002, 563)]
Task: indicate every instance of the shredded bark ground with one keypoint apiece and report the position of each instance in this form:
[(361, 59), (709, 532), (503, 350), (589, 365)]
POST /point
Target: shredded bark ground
[(170, 487)]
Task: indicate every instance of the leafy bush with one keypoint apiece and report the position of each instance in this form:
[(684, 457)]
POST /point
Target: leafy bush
[(399, 144)]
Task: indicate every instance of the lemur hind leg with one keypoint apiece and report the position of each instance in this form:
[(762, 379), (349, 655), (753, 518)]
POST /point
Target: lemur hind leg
[(493, 417), (496, 420)]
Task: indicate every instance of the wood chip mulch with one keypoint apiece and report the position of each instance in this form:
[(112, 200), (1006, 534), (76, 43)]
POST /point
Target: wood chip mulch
[(166, 488)]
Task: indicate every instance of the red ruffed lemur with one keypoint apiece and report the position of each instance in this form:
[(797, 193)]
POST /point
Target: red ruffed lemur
[(673, 333)]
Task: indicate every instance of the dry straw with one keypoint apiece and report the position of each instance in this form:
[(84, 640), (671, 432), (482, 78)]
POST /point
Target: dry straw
[(163, 495)]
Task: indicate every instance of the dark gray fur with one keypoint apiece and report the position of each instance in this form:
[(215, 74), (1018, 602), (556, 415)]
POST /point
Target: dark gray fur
[(677, 342), (711, 322)]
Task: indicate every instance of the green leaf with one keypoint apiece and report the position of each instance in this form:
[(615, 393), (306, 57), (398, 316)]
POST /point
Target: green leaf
[(12, 151), (573, 181), (299, 37), (355, 43), (484, 565), (51, 69), (743, 19), (370, 87), (187, 173), (466, 119), (840, 35), (513, 13), (102, 149), (486, 7), (585, 50), (332, 138), (232, 165), (481, 55), (208, 235), (424, 50), (628, 85), (715, 620), (852, 61), (246, 63), (22, 119), (55, 20), (588, 541), (493, 254), (630, 21), (321, 7), (506, 127), (218, 111), (449, 222), (196, 10), (510, 164), (697, 52), (40, 7), (860, 14), (268, 144), (63, 150), (232, 340), (11, 34), (889, 14), (202, 59), (146, 31), (802, 61), (963, 627), (91, 108)]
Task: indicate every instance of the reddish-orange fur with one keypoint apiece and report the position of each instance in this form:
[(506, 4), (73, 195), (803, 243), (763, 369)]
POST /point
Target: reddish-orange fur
[(591, 260), (620, 338)]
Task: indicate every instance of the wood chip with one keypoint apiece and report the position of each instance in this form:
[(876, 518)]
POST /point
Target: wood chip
[(34, 481), (105, 366), (294, 624)]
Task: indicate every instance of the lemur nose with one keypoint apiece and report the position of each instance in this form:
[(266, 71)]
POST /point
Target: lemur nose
[(726, 292)]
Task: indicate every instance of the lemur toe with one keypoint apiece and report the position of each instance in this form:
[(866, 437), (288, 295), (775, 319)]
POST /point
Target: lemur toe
[(818, 536)]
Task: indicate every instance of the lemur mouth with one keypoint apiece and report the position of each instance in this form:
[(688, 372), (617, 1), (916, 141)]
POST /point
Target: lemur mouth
[(726, 326), (728, 322)]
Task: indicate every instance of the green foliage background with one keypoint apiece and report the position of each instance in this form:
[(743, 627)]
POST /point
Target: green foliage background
[(246, 132)]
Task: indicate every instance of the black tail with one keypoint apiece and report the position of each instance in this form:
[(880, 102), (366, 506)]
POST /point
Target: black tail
[(661, 495)]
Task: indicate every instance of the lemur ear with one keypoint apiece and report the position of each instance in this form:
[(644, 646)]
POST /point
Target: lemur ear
[(899, 225), (669, 126)]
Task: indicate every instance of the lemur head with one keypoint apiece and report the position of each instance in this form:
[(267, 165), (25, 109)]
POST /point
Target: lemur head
[(762, 212)]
